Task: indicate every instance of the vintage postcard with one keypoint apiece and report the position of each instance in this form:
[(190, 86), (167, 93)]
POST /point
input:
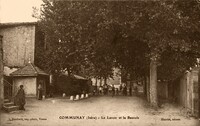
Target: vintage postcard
[(100, 62)]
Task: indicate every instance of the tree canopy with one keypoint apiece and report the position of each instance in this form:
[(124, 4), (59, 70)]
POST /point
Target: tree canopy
[(100, 35)]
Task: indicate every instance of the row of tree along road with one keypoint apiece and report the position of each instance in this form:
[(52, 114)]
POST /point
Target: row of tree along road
[(145, 39)]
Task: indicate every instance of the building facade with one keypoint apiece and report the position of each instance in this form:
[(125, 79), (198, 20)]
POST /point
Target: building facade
[(19, 48), (116, 80), (18, 43)]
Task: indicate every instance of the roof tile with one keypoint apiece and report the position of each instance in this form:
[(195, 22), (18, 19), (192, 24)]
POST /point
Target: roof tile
[(28, 70)]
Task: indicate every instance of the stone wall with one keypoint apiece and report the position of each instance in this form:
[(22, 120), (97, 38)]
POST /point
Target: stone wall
[(195, 93), (182, 98), (188, 96), (18, 44), (163, 90)]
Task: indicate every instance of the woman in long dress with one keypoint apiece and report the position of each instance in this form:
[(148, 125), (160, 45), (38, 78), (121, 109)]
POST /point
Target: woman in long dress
[(21, 98)]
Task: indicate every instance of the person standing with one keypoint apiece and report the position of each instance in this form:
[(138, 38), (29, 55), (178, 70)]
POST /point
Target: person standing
[(120, 89), (117, 91), (130, 90), (113, 90), (21, 98), (51, 91), (40, 92), (94, 92), (125, 90), (136, 90), (100, 90), (106, 89)]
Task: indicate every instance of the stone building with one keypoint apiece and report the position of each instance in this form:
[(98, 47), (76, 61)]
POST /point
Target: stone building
[(19, 48), (18, 43), (30, 76)]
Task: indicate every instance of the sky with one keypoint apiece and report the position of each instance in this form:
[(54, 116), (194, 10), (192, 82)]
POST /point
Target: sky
[(18, 10)]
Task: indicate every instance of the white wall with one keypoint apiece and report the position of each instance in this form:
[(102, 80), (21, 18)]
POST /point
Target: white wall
[(29, 85), (116, 80)]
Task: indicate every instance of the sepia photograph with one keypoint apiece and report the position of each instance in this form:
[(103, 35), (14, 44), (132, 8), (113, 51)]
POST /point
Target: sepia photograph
[(99, 62)]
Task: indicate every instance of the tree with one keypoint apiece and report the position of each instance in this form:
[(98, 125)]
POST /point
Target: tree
[(138, 36), (75, 38), (163, 29), (64, 30)]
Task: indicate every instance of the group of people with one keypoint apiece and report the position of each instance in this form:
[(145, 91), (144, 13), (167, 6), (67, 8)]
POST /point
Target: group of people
[(122, 90), (128, 90), (19, 99)]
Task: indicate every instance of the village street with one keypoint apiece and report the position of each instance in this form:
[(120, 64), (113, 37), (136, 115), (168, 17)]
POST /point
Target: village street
[(71, 48), (102, 110)]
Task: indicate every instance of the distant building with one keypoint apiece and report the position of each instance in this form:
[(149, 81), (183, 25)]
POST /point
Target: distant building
[(116, 80)]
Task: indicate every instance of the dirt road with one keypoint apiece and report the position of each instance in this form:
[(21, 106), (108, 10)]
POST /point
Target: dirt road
[(97, 111)]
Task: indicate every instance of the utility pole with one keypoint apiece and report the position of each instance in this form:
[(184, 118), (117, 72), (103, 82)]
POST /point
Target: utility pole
[(1, 73)]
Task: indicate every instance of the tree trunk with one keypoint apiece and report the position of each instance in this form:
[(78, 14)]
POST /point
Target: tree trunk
[(153, 82), (1, 74), (144, 82), (147, 89)]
